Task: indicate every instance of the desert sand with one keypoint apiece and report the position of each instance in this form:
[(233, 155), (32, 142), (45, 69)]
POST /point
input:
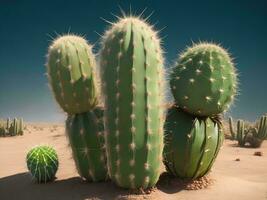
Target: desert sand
[(245, 179)]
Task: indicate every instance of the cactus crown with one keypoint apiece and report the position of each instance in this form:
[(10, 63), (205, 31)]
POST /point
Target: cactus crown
[(72, 74), (204, 80)]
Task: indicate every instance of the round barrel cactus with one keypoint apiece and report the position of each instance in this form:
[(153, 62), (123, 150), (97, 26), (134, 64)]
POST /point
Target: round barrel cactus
[(191, 144), (132, 78), (71, 73), (86, 135), (42, 162), (204, 80)]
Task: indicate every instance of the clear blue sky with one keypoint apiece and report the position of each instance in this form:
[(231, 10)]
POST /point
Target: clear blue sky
[(240, 26)]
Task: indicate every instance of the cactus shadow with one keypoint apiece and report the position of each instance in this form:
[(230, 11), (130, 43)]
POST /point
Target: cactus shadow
[(169, 184), (21, 186)]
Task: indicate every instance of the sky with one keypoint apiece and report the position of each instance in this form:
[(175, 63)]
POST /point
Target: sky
[(27, 28)]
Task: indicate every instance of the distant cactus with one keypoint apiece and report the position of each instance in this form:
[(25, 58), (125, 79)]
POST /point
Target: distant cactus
[(231, 127), (253, 135), (257, 135), (132, 77), (204, 80), (42, 162), (86, 135), (71, 73), (191, 144), (8, 128), (241, 133)]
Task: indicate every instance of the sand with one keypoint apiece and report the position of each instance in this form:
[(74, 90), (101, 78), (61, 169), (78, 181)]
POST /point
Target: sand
[(233, 180)]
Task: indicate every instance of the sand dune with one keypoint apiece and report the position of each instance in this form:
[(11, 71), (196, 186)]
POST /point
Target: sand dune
[(233, 180)]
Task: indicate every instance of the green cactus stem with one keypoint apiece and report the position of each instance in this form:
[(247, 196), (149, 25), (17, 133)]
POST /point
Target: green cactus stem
[(42, 162), (71, 73), (231, 127), (191, 144), (241, 133), (204, 80), (132, 77), (86, 135)]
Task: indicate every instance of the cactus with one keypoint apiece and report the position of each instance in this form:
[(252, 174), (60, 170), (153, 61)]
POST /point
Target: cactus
[(257, 135), (131, 72), (262, 128), (16, 127), (241, 133), (8, 123), (71, 73), (42, 162), (13, 127), (231, 127), (191, 144), (20, 126), (204, 81), (253, 135), (86, 135)]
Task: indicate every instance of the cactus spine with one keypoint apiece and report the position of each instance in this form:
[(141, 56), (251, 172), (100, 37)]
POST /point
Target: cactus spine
[(73, 79), (71, 74), (191, 144), (131, 71), (86, 136), (204, 80), (42, 162)]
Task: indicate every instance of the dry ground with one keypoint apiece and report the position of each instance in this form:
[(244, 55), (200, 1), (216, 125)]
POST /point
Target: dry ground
[(245, 179)]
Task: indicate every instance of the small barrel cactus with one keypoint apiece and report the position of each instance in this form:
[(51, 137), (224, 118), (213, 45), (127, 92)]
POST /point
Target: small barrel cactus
[(42, 162), (191, 144), (204, 80), (86, 135), (71, 73), (132, 78)]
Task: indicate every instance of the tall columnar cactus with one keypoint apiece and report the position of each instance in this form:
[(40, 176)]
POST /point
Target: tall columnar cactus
[(20, 126), (231, 127), (42, 162), (204, 80), (7, 123), (132, 77), (71, 72), (86, 135), (14, 127), (241, 133), (191, 144)]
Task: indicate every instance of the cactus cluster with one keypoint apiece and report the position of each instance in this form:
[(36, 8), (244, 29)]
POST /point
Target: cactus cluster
[(125, 138), (71, 70), (131, 65), (204, 84), (253, 135), (42, 162), (10, 127)]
